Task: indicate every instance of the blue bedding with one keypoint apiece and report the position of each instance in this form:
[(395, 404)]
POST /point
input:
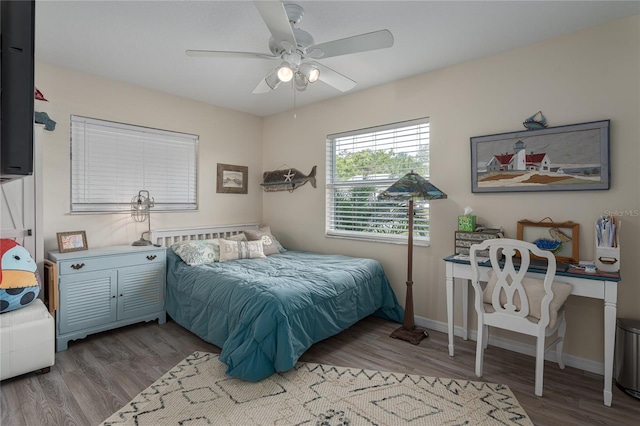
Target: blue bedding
[(265, 313)]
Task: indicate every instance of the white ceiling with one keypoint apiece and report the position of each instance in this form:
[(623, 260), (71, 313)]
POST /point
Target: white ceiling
[(143, 42)]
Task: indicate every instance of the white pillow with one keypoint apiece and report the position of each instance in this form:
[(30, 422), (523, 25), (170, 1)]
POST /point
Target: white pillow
[(534, 289), (233, 250)]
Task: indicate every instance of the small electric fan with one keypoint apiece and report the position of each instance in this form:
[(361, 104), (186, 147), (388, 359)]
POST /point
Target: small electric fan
[(140, 211)]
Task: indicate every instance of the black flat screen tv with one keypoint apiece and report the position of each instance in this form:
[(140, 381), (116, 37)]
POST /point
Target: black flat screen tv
[(17, 30)]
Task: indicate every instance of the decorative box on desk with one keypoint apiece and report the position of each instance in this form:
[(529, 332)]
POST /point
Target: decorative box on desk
[(464, 240), (466, 223), (108, 287)]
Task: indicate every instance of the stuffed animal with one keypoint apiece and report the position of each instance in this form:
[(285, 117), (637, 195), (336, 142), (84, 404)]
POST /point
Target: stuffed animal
[(19, 279)]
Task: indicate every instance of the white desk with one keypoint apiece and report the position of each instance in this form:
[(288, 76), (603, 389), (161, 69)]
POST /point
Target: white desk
[(598, 287)]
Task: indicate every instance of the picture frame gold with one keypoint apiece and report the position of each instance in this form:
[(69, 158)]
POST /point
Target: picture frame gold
[(232, 179), (72, 241), (561, 238)]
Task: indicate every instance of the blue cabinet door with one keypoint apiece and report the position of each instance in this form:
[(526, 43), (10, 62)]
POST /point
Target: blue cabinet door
[(140, 291), (87, 300)]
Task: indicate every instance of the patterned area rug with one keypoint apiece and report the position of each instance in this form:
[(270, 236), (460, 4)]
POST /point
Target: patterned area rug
[(197, 392)]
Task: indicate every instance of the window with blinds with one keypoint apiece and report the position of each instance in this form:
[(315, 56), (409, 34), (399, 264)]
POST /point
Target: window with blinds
[(111, 162), (363, 163)]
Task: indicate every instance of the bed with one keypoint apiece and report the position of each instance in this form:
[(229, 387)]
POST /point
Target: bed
[(265, 313)]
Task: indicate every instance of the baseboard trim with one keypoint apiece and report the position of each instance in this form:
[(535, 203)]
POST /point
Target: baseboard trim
[(523, 348)]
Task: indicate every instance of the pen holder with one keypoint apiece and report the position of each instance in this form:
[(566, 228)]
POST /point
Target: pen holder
[(608, 258)]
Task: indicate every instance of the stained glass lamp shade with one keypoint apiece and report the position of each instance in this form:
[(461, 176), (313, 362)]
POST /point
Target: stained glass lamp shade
[(409, 187)]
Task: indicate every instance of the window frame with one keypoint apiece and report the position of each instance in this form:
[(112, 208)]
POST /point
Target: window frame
[(421, 207)]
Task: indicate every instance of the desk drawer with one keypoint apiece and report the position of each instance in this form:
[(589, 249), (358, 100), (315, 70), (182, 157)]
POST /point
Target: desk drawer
[(89, 264)]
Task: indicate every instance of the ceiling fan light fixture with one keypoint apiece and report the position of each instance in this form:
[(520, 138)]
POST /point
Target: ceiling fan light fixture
[(314, 74), (310, 72), (272, 80), (285, 73), (301, 82)]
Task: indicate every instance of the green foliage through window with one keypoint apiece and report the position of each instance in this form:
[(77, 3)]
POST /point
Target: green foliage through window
[(360, 165)]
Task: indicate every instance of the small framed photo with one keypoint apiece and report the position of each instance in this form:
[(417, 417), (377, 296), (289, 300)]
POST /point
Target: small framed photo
[(562, 239), (232, 179), (72, 241)]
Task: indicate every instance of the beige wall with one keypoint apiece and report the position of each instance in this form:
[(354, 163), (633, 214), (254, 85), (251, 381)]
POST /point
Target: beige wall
[(226, 136), (587, 76)]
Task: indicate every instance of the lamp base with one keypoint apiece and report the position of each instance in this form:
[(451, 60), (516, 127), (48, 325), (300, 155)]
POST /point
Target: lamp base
[(141, 242), (414, 335)]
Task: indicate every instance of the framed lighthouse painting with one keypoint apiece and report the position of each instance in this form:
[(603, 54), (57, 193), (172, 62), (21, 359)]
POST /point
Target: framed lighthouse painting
[(563, 158)]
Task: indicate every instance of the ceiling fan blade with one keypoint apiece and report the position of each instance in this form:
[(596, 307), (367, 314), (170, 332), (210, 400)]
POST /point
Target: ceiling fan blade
[(275, 16), (262, 87), (360, 43), (334, 78), (225, 54)]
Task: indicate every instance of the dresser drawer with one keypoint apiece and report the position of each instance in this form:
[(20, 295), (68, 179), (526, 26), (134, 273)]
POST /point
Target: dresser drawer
[(89, 264), (464, 240)]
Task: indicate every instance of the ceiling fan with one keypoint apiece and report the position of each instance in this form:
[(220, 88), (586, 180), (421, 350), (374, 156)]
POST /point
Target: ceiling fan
[(297, 51)]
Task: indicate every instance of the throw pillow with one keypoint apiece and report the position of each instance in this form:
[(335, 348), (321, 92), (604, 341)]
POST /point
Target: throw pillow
[(233, 250), (197, 252), (201, 252), (237, 237), (19, 279), (534, 289), (270, 244)]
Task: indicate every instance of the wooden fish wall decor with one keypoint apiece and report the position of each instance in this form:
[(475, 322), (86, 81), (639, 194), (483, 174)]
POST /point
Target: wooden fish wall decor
[(287, 179)]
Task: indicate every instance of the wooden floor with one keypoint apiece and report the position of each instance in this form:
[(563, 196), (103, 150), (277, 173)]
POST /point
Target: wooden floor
[(98, 375)]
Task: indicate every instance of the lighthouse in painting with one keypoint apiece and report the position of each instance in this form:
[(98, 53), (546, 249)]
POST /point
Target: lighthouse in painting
[(519, 160), (520, 156)]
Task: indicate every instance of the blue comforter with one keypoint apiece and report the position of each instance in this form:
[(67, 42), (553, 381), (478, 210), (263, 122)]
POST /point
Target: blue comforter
[(265, 313)]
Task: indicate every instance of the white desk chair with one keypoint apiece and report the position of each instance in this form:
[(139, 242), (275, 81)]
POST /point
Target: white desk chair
[(513, 302)]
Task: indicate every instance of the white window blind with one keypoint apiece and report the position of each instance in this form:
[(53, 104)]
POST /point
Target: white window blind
[(111, 162), (363, 163)]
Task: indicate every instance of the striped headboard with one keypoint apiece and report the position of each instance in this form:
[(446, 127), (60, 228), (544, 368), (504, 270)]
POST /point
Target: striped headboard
[(166, 237)]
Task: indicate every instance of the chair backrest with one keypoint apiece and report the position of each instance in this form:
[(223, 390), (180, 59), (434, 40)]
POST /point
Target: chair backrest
[(509, 298)]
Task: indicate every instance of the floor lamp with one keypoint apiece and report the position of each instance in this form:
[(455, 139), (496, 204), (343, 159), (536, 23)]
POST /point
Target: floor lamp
[(409, 187)]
